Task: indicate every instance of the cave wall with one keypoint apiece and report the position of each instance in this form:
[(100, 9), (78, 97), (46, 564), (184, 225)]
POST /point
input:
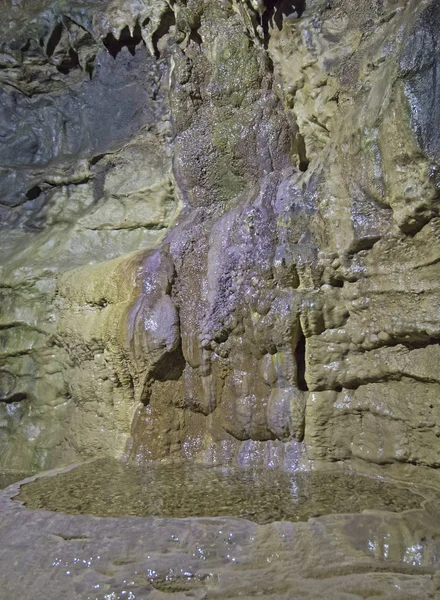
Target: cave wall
[(221, 232)]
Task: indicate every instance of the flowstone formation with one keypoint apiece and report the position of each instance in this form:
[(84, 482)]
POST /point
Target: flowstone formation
[(221, 232)]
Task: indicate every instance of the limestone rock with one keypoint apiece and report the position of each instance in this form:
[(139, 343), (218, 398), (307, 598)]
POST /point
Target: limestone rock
[(221, 232)]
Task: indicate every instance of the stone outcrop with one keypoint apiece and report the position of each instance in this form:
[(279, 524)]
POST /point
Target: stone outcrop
[(221, 232)]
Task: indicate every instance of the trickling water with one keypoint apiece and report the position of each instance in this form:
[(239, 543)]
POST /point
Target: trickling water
[(107, 488)]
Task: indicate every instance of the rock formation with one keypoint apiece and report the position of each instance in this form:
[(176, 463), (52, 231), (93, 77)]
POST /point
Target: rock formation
[(220, 231)]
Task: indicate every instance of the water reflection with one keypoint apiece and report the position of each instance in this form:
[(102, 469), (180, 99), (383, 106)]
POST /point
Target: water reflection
[(109, 488), (411, 541)]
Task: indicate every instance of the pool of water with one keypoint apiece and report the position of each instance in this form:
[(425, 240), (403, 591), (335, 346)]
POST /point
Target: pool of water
[(108, 488)]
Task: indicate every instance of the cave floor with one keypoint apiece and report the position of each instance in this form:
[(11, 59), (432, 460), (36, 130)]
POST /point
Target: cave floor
[(376, 553)]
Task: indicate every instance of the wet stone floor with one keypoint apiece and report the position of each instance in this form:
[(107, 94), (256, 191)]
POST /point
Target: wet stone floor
[(108, 488), (107, 531)]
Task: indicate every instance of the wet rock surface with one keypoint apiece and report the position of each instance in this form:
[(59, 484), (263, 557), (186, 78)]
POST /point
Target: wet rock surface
[(85, 178), (220, 242), (221, 234), (373, 554)]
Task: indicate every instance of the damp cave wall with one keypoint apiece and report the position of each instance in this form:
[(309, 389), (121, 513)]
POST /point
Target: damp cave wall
[(219, 232)]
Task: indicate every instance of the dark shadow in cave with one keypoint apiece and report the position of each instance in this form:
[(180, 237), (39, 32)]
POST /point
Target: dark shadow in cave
[(70, 59), (114, 46), (54, 39), (18, 397), (300, 358), (69, 62), (302, 153), (168, 21), (33, 193), (277, 10), (169, 367)]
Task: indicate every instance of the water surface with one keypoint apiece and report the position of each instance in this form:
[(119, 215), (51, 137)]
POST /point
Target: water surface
[(108, 488)]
